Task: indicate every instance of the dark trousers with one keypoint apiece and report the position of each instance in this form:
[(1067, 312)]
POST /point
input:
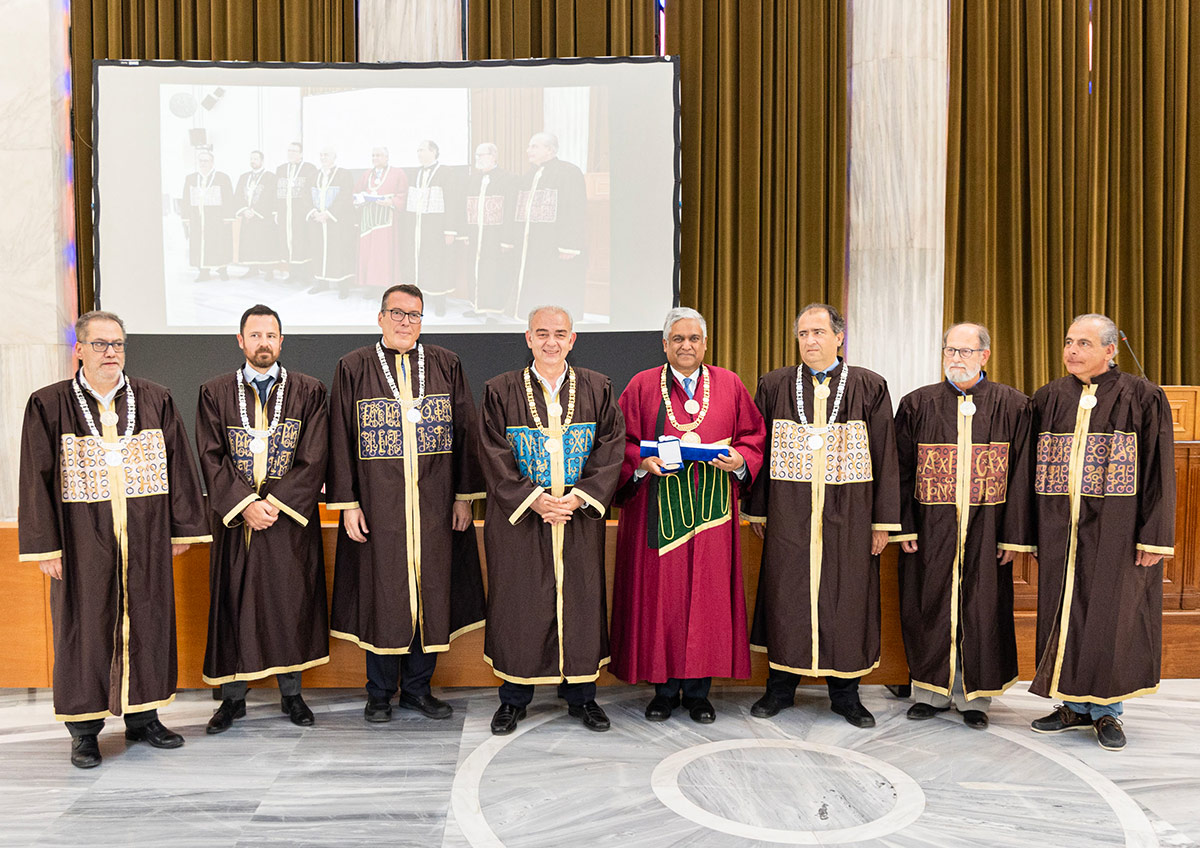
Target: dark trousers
[(409, 673), (690, 688), (520, 694), (289, 685), (92, 727), (843, 691)]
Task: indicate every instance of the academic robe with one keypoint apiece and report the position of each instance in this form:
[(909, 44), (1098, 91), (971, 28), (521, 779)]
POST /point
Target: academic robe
[(484, 213), (405, 478), (679, 606), (266, 611), (378, 226), (1104, 489), (547, 619), (551, 216), (114, 609), (258, 234), (293, 191), (430, 196), (336, 237), (207, 206), (964, 493), (817, 611)]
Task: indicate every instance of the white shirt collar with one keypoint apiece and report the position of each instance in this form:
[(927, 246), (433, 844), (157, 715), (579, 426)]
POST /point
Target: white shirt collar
[(552, 389), (105, 400), (679, 375), (250, 375)]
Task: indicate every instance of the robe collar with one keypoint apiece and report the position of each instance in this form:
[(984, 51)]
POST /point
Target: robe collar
[(1112, 373)]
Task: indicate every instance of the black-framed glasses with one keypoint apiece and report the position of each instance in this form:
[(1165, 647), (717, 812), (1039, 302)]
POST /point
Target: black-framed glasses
[(100, 346), (398, 315), (964, 352)]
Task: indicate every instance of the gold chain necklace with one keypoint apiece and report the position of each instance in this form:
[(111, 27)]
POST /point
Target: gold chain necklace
[(688, 436), (552, 444)]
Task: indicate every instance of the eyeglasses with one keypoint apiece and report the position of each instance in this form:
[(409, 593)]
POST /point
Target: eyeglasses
[(101, 346), (964, 352), (398, 315)]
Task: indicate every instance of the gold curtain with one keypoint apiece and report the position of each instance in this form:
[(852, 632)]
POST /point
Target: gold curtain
[(1066, 190), (247, 30), (525, 29)]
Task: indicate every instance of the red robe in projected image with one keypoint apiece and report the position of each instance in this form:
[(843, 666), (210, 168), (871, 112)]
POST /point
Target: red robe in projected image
[(380, 194)]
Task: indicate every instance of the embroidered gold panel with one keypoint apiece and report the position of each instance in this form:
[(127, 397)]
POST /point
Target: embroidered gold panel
[(84, 474), (847, 446)]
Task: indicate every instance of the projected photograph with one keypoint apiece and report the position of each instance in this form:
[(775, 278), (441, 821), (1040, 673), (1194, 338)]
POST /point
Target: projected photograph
[(316, 199)]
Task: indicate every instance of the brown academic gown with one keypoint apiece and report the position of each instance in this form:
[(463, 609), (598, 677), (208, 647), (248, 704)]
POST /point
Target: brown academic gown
[(817, 611), (114, 609), (964, 493), (266, 611), (547, 620), (405, 477), (1104, 489)]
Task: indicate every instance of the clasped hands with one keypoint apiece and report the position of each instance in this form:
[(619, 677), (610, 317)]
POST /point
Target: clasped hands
[(556, 510)]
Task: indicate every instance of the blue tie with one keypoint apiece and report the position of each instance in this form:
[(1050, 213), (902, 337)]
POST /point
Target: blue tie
[(687, 386), (262, 385)]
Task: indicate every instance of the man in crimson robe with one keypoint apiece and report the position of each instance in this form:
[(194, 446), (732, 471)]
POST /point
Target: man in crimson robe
[(963, 448), (262, 437), (679, 612), (108, 496), (380, 193), (1104, 494), (825, 503)]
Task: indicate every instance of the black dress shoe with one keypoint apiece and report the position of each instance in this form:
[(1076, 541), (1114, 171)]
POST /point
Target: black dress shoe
[(591, 714), (377, 709), (1108, 733), (223, 718), (505, 720), (855, 713), (85, 751), (975, 719), (154, 733), (920, 712), (427, 704), (660, 706), (296, 710), (768, 705), (1063, 718), (700, 710)]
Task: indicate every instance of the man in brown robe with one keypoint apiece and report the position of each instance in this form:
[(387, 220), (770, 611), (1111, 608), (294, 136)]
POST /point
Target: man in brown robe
[(402, 469), (1104, 494), (964, 447), (262, 436), (552, 441), (109, 495), (827, 498)]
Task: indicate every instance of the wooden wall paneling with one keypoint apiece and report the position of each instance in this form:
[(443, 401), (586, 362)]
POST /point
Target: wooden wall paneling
[(1185, 411), (24, 659), (1025, 577), (1186, 564)]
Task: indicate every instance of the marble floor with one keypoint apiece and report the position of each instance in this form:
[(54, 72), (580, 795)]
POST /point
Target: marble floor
[(804, 777)]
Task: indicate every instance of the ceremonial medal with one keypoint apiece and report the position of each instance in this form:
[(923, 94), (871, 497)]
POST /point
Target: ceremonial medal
[(968, 408), (258, 445), (258, 438), (691, 438), (553, 445), (112, 453), (413, 415), (821, 392), (692, 406), (815, 442), (554, 410), (112, 457), (1088, 401), (108, 418), (551, 406)]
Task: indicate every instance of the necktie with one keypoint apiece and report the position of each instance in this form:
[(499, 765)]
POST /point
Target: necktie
[(262, 385), (687, 386)]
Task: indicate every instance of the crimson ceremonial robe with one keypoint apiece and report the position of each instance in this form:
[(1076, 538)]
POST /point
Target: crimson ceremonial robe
[(266, 611), (405, 477), (546, 618), (378, 227), (679, 605), (964, 488), (817, 611), (113, 527), (1104, 489)]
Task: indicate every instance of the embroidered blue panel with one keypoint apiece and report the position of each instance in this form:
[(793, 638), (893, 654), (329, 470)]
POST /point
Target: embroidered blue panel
[(529, 448), (381, 427), (281, 450)]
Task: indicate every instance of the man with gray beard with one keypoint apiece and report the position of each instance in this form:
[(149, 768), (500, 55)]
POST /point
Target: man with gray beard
[(963, 446)]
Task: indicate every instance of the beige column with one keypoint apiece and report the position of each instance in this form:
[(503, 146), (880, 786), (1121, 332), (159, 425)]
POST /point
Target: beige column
[(37, 283), (899, 69), (409, 30)]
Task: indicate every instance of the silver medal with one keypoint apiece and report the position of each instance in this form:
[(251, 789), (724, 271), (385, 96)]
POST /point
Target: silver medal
[(413, 415), (816, 442), (821, 392), (968, 408), (258, 445), (554, 409), (692, 406), (108, 418), (552, 445), (1088, 401), (112, 457)]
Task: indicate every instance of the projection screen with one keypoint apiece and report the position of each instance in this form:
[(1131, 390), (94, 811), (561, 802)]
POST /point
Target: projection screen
[(493, 186)]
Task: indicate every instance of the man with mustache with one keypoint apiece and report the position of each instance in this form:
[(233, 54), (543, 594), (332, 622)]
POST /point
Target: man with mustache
[(963, 446), (261, 432)]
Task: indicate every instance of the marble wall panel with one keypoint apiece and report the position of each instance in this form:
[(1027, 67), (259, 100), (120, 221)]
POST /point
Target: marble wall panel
[(23, 369), (409, 30)]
